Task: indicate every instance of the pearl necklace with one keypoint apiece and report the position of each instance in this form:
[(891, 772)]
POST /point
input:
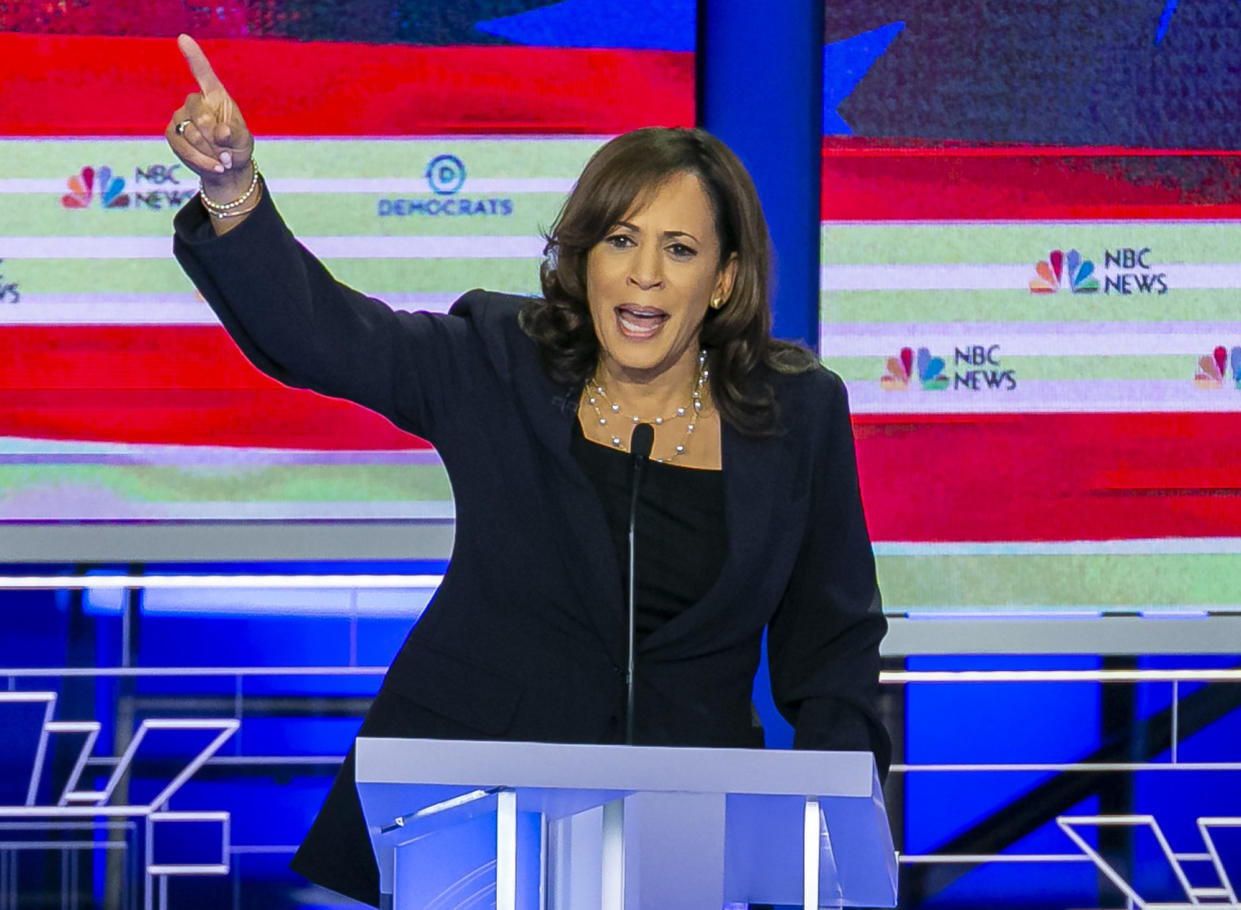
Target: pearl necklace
[(596, 392)]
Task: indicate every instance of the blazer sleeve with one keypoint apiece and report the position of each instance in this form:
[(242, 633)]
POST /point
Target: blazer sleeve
[(299, 325), (823, 641)]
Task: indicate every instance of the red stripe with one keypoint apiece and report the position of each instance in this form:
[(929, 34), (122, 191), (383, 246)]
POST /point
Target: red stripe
[(865, 180), (167, 385), (1050, 476), (66, 359), (280, 419), (72, 85)]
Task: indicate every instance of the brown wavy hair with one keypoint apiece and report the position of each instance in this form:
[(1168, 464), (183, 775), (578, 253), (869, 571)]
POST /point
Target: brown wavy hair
[(622, 176)]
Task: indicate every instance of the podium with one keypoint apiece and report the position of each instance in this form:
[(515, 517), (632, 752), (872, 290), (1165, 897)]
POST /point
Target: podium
[(544, 826)]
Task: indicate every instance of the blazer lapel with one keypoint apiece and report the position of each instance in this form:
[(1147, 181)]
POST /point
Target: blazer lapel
[(752, 469), (586, 549)]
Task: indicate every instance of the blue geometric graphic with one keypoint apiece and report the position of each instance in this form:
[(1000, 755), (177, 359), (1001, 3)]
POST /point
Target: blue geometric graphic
[(665, 25), (845, 64)]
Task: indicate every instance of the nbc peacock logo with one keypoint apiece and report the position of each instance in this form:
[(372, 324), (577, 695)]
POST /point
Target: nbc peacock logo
[(1218, 367), (900, 369), (82, 186), (1059, 269)]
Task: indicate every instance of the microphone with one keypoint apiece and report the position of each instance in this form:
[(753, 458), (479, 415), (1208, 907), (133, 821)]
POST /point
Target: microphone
[(641, 441), (639, 450)]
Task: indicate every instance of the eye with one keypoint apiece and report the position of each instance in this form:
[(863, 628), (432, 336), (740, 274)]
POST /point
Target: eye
[(618, 241), (681, 251)]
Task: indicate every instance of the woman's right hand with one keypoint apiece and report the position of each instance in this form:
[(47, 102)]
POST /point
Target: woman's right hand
[(208, 133)]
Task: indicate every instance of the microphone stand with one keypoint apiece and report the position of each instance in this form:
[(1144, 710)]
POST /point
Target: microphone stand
[(640, 450)]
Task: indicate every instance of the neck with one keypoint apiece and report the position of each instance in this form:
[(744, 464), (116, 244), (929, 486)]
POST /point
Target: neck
[(649, 395)]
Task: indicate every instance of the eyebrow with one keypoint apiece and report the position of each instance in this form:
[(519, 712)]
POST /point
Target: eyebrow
[(666, 234)]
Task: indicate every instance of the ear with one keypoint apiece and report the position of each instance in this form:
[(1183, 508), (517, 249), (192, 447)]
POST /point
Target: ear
[(727, 276)]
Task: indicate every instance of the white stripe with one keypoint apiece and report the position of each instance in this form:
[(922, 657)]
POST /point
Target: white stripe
[(1140, 547), (108, 312), (157, 309), (349, 247), (1005, 277), (925, 277), (73, 510), (415, 185), (1057, 339), (1049, 396), (984, 676)]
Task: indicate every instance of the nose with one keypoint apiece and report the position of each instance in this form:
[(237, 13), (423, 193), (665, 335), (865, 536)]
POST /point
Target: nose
[(646, 271)]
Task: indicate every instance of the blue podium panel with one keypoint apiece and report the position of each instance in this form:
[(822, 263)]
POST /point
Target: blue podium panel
[(458, 866), (623, 827)]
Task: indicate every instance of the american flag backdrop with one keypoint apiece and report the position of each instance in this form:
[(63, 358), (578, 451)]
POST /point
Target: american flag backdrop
[(418, 147), (1031, 281)]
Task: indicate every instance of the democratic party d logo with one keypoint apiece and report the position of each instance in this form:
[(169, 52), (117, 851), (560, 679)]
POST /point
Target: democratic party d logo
[(1218, 365), (900, 368), (445, 174), (112, 193), (1051, 274)]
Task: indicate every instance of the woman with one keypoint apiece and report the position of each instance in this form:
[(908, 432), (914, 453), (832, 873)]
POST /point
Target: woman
[(655, 311)]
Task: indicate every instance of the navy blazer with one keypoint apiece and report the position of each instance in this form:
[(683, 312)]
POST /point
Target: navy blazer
[(526, 637)]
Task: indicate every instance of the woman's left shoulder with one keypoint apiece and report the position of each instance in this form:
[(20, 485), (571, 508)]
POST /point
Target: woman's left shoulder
[(816, 390)]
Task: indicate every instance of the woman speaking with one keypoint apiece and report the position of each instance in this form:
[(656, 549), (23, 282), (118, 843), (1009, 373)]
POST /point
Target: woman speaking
[(654, 313)]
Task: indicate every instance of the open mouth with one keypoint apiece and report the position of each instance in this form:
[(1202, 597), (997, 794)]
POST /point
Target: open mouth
[(639, 322)]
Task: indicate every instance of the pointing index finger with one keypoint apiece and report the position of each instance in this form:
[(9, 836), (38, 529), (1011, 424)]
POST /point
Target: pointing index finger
[(208, 81)]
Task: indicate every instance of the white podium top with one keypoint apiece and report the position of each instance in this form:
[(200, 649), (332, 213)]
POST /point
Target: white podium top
[(559, 766)]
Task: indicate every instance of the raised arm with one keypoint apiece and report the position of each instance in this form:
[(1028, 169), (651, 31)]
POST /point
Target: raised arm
[(286, 312)]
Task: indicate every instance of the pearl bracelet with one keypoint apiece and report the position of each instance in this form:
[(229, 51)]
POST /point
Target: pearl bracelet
[(227, 209)]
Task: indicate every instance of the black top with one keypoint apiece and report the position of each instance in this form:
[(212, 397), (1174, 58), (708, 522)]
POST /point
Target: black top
[(682, 534)]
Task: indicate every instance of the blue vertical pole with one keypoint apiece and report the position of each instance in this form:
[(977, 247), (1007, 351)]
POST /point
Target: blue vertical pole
[(760, 89)]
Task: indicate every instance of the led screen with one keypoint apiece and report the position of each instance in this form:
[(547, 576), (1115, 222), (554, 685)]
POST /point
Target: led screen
[(419, 148), (1031, 284)]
